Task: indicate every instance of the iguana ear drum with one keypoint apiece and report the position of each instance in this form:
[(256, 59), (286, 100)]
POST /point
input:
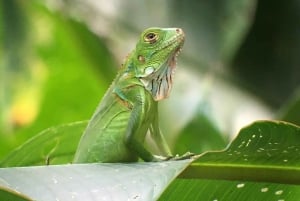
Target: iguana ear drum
[(141, 59), (149, 70)]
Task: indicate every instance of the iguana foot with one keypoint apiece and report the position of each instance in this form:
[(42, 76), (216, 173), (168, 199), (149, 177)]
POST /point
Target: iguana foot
[(161, 158), (187, 155)]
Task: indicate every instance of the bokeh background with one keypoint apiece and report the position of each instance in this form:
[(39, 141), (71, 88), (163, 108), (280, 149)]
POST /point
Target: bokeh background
[(240, 63)]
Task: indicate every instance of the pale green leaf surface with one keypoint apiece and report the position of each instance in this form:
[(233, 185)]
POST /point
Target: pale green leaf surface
[(134, 181)]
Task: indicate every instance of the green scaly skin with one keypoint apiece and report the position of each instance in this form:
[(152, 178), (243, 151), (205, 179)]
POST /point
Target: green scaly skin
[(117, 130)]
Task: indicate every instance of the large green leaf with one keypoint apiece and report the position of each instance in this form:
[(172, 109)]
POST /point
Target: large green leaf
[(266, 152), (224, 190), (134, 181), (54, 145), (262, 163), (8, 194)]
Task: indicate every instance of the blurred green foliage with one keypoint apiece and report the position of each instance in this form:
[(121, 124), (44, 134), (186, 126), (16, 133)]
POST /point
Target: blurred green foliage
[(57, 60), (54, 69), (268, 60)]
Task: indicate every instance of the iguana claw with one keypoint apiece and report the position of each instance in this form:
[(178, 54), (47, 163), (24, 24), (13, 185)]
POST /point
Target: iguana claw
[(161, 158), (187, 155)]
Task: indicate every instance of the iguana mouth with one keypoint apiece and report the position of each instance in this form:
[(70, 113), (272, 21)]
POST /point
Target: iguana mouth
[(173, 61)]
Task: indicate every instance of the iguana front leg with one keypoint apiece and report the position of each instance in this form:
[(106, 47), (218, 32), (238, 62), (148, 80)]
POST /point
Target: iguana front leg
[(158, 137), (137, 128), (162, 145)]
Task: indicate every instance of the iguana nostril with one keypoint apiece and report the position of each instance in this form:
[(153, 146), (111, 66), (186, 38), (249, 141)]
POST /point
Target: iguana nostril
[(178, 30)]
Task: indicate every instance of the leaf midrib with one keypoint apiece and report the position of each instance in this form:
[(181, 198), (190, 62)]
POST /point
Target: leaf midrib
[(243, 172)]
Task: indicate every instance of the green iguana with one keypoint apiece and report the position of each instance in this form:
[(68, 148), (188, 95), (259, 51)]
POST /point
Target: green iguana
[(128, 110)]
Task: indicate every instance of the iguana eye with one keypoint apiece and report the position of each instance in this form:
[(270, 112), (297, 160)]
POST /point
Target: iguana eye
[(151, 37)]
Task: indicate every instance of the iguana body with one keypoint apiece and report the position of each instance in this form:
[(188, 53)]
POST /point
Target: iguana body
[(117, 130)]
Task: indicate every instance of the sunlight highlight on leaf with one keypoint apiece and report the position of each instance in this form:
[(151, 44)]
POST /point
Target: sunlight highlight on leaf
[(134, 181)]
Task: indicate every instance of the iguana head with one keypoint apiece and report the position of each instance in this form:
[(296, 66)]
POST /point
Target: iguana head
[(155, 59)]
